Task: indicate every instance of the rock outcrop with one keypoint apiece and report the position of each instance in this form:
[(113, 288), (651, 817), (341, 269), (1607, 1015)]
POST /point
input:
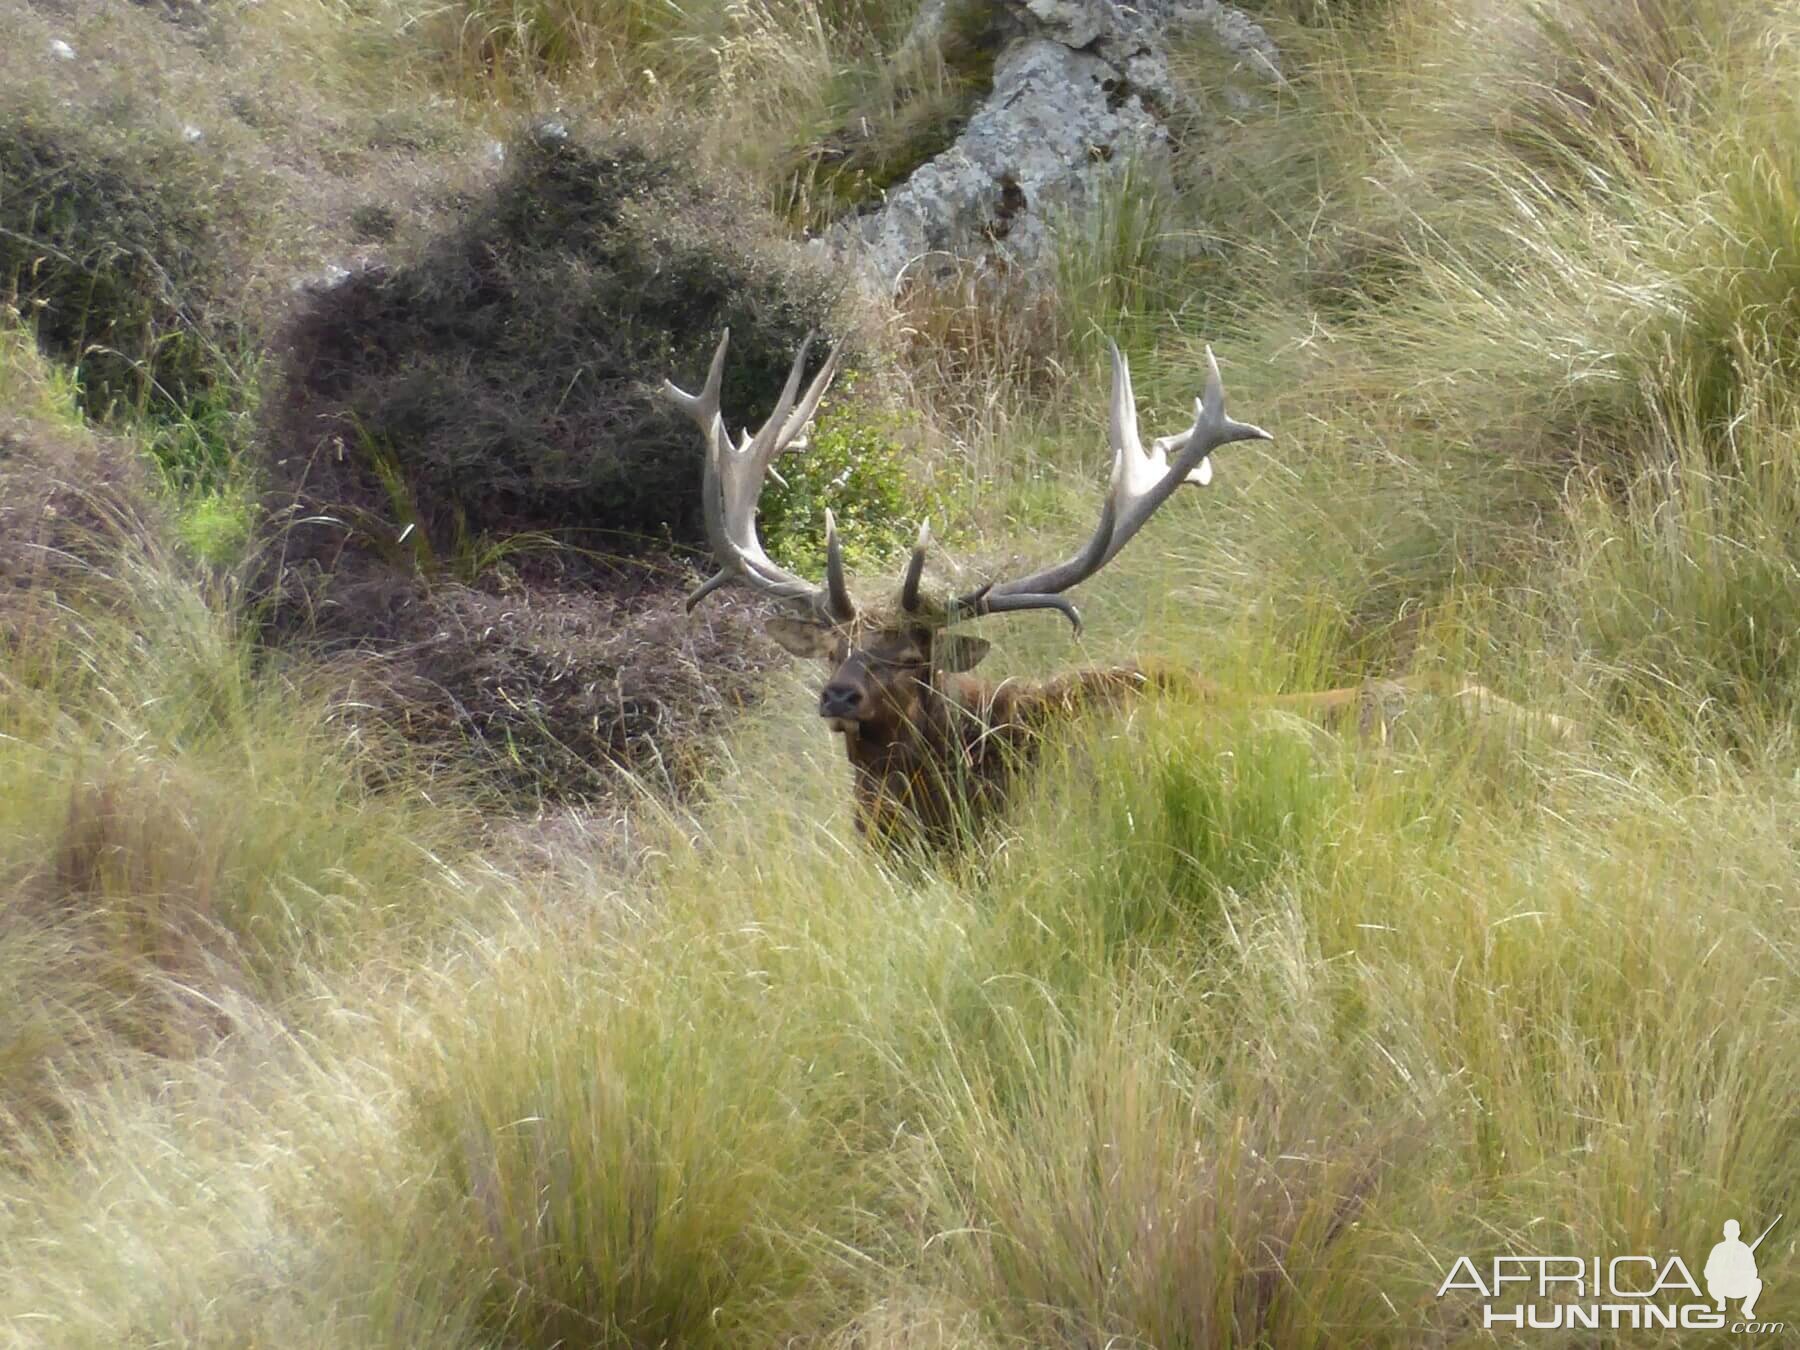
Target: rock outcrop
[(1080, 89)]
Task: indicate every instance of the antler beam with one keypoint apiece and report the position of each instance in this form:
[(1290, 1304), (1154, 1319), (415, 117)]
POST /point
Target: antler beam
[(1142, 480)]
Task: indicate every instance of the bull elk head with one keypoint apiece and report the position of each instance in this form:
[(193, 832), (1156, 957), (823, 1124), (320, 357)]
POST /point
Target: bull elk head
[(929, 743)]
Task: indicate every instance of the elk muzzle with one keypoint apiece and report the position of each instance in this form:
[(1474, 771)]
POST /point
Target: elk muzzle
[(842, 704)]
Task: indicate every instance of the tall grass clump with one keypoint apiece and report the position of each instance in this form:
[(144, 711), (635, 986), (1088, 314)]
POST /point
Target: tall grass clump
[(1208, 809), (875, 122), (761, 73), (1235, 1029), (1447, 1007), (1474, 196), (1248, 1045), (673, 1144), (185, 823), (1452, 963), (1658, 290), (819, 107), (1113, 259), (1637, 299), (185, 829), (618, 1168), (642, 42), (1685, 589), (1121, 1190), (1487, 273)]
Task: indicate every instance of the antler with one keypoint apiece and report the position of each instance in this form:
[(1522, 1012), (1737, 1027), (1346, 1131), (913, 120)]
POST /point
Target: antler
[(1142, 480), (733, 481)]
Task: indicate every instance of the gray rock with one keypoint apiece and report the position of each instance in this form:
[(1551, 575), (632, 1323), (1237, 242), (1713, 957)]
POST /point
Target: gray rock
[(329, 278), (1081, 89), (1042, 144), (1236, 31)]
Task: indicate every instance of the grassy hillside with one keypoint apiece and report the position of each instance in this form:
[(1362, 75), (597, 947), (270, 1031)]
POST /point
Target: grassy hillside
[(1233, 1033)]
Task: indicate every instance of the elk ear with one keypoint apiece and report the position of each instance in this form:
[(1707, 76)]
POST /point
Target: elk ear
[(802, 638), (954, 653)]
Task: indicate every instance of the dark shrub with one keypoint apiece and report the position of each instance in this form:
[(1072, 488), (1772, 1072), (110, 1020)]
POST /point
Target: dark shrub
[(110, 246), (503, 378), (444, 423), (551, 689)]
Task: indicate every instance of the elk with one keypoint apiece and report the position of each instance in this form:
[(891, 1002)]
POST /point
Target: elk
[(931, 747)]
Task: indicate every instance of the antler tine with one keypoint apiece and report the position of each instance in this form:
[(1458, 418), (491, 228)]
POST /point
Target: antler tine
[(837, 593), (704, 406), (774, 435), (1212, 428), (1142, 480), (732, 481), (809, 402), (915, 570)]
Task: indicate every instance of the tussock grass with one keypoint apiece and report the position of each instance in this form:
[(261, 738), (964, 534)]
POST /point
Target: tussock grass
[(1683, 587), (776, 84), (1249, 1044), (1055, 1098), (1235, 1032), (1508, 285), (185, 828)]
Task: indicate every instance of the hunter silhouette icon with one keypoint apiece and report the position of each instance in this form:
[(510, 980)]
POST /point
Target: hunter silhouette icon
[(1731, 1268)]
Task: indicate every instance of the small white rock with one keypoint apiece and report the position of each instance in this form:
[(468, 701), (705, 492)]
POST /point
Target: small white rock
[(331, 277), (61, 50)]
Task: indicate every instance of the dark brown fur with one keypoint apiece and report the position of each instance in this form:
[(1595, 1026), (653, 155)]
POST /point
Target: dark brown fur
[(947, 762), (934, 750)]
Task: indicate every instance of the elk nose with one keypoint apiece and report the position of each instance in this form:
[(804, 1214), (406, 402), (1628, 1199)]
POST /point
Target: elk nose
[(839, 700)]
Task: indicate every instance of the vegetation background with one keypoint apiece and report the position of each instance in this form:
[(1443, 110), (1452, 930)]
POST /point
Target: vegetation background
[(315, 1032)]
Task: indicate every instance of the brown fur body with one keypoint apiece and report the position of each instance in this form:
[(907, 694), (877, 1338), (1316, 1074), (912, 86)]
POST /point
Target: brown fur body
[(934, 751), (950, 762)]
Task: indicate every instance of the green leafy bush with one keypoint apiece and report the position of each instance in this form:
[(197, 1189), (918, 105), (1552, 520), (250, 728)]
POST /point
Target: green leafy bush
[(854, 464)]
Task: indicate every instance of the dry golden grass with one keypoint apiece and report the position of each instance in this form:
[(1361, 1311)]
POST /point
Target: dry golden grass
[(1232, 1035)]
